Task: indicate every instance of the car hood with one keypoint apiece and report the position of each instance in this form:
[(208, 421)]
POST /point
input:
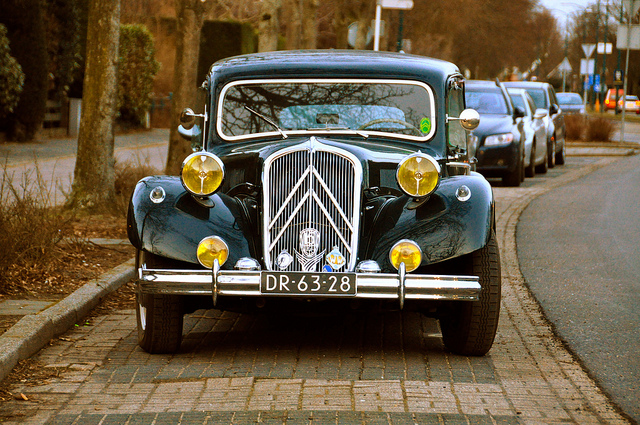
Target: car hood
[(244, 161), (493, 124)]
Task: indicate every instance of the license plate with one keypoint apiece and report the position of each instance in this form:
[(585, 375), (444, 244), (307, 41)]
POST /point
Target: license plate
[(298, 283)]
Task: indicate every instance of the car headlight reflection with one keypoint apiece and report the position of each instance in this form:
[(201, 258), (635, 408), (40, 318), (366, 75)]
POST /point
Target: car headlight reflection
[(407, 252), (210, 249), (202, 173), (498, 139), (418, 175)]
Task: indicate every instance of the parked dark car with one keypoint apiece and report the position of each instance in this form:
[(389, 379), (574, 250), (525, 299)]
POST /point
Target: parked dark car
[(500, 151), (571, 103), (545, 97), (322, 180)]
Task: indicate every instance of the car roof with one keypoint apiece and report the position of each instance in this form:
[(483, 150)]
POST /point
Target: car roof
[(334, 64), (482, 83), (526, 84)]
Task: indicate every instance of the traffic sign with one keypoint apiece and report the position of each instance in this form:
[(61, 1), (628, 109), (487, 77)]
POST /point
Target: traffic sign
[(605, 48), (396, 4), (596, 83), (634, 37), (587, 66), (565, 66), (588, 49)]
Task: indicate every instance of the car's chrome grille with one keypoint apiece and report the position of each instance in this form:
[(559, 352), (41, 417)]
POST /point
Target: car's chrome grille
[(311, 208)]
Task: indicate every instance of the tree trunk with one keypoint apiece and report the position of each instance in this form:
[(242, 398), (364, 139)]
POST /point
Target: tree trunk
[(269, 26), (310, 24), (94, 176), (190, 16), (294, 28)]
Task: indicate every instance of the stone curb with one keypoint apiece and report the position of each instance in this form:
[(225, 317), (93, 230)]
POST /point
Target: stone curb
[(34, 331)]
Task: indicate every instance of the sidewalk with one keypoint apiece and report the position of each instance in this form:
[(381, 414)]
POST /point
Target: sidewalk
[(55, 159)]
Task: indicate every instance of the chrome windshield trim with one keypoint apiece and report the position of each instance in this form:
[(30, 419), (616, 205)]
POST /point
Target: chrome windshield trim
[(306, 132)]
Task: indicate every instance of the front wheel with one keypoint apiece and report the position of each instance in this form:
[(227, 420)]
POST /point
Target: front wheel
[(561, 156), (552, 153), (515, 177), (469, 328), (159, 317)]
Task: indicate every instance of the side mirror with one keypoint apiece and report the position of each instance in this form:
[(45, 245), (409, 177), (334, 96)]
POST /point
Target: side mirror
[(518, 112), (554, 109), (187, 118), (469, 119), (540, 113)]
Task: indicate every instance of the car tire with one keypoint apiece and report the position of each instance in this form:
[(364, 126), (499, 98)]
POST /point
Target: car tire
[(469, 328), (530, 171), (514, 178), (551, 155), (561, 156), (543, 168), (159, 318)]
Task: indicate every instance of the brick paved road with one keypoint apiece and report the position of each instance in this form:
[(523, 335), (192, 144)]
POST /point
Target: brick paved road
[(377, 368)]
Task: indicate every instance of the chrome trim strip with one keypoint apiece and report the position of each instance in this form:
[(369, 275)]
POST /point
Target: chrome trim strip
[(319, 131), (369, 285)]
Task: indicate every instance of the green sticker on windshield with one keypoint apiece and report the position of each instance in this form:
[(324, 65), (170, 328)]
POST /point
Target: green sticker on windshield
[(425, 125)]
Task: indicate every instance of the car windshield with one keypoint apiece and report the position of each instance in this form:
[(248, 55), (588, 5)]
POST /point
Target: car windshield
[(630, 98), (569, 99), (486, 101), (259, 108)]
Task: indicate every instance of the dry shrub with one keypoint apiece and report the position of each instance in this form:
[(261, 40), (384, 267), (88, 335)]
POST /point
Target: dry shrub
[(574, 125), (30, 228), (599, 129), (127, 175)]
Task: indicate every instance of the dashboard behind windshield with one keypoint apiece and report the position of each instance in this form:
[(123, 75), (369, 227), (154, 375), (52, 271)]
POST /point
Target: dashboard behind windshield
[(259, 108)]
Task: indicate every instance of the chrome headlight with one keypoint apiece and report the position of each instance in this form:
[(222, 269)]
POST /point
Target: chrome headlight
[(418, 175), (202, 173), (498, 139)]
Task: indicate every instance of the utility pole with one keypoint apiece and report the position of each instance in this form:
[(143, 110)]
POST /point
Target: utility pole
[(604, 56), (596, 84)]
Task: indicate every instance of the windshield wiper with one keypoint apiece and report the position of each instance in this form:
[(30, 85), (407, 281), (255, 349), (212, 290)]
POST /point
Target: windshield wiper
[(267, 120)]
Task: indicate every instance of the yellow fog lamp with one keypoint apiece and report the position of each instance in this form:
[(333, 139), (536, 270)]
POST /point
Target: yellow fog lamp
[(212, 248), (407, 252), (418, 175), (202, 173)]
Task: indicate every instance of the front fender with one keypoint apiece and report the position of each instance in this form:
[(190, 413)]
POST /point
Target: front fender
[(444, 227), (174, 227)]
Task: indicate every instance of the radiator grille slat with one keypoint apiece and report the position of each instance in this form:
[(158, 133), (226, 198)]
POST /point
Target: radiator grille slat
[(311, 186)]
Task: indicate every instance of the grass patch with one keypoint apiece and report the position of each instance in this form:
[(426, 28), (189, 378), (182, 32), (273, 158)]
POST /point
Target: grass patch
[(589, 128), (37, 236)]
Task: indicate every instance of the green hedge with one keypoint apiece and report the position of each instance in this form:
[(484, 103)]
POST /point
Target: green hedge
[(11, 76), (25, 28), (136, 71)]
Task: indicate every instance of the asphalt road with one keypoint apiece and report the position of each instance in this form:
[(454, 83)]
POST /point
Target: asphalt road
[(579, 252)]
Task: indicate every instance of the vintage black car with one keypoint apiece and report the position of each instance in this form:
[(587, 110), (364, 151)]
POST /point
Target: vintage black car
[(322, 180)]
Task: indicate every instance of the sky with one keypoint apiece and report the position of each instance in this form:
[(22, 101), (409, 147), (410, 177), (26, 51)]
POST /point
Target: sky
[(561, 9)]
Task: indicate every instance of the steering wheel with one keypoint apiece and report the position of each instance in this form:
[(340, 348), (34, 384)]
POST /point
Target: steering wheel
[(390, 120)]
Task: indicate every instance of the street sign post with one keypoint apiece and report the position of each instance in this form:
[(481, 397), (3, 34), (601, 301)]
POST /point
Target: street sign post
[(387, 4), (631, 6)]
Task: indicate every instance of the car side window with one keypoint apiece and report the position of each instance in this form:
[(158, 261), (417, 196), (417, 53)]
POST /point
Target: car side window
[(456, 136)]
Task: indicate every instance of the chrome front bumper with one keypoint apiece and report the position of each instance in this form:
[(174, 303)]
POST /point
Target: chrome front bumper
[(237, 283)]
